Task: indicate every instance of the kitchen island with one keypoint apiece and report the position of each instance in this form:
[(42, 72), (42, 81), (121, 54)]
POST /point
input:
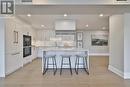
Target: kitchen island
[(64, 51)]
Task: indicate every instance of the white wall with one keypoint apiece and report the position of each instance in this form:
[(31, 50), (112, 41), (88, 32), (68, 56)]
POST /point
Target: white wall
[(116, 60), (94, 50), (12, 61), (2, 47), (127, 46), (120, 45)]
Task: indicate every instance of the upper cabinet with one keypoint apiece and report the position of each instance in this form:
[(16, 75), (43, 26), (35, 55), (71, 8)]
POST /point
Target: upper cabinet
[(45, 35), (12, 37)]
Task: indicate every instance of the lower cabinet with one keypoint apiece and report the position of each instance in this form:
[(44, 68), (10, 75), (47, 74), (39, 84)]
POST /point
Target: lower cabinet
[(30, 58), (13, 62)]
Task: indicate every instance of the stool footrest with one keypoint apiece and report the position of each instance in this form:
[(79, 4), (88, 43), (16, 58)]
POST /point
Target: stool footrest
[(64, 63), (47, 63), (84, 63), (51, 64)]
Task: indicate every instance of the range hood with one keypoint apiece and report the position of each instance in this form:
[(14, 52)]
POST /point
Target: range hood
[(65, 25)]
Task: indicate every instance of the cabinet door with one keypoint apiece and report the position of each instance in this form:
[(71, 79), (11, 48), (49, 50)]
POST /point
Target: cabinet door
[(11, 36), (13, 62), (48, 34)]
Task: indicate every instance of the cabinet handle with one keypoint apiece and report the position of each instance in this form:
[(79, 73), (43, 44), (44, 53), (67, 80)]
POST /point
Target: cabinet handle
[(16, 53)]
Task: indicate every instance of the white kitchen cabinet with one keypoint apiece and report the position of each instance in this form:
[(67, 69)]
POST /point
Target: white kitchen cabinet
[(13, 50), (34, 52), (39, 35), (67, 37), (12, 47), (13, 62), (45, 35)]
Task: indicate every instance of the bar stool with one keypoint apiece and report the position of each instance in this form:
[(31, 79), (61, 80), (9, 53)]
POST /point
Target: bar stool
[(84, 63), (47, 63), (69, 63)]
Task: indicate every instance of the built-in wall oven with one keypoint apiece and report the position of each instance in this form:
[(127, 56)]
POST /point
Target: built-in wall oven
[(27, 46)]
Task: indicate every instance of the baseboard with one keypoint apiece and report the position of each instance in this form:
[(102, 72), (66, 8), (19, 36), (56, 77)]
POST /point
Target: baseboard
[(126, 75), (116, 71), (2, 76), (99, 54)]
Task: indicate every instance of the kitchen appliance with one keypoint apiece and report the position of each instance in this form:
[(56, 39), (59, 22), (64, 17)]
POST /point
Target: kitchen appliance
[(27, 46)]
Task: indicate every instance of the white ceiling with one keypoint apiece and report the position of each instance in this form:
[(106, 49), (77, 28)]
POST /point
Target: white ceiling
[(72, 9), (83, 14), (94, 22)]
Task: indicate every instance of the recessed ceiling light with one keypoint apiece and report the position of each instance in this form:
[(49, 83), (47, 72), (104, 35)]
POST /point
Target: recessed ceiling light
[(65, 15), (29, 15), (86, 25), (104, 28), (42, 25), (101, 15)]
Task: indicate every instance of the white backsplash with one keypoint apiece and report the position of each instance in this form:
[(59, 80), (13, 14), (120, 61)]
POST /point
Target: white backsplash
[(56, 43)]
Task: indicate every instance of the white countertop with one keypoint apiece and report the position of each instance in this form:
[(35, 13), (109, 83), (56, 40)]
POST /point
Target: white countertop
[(62, 49)]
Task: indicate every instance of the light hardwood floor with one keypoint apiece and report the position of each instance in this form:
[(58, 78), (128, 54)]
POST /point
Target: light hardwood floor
[(31, 76)]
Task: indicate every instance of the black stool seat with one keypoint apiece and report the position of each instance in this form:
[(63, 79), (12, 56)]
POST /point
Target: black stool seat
[(83, 64), (53, 63), (69, 63)]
